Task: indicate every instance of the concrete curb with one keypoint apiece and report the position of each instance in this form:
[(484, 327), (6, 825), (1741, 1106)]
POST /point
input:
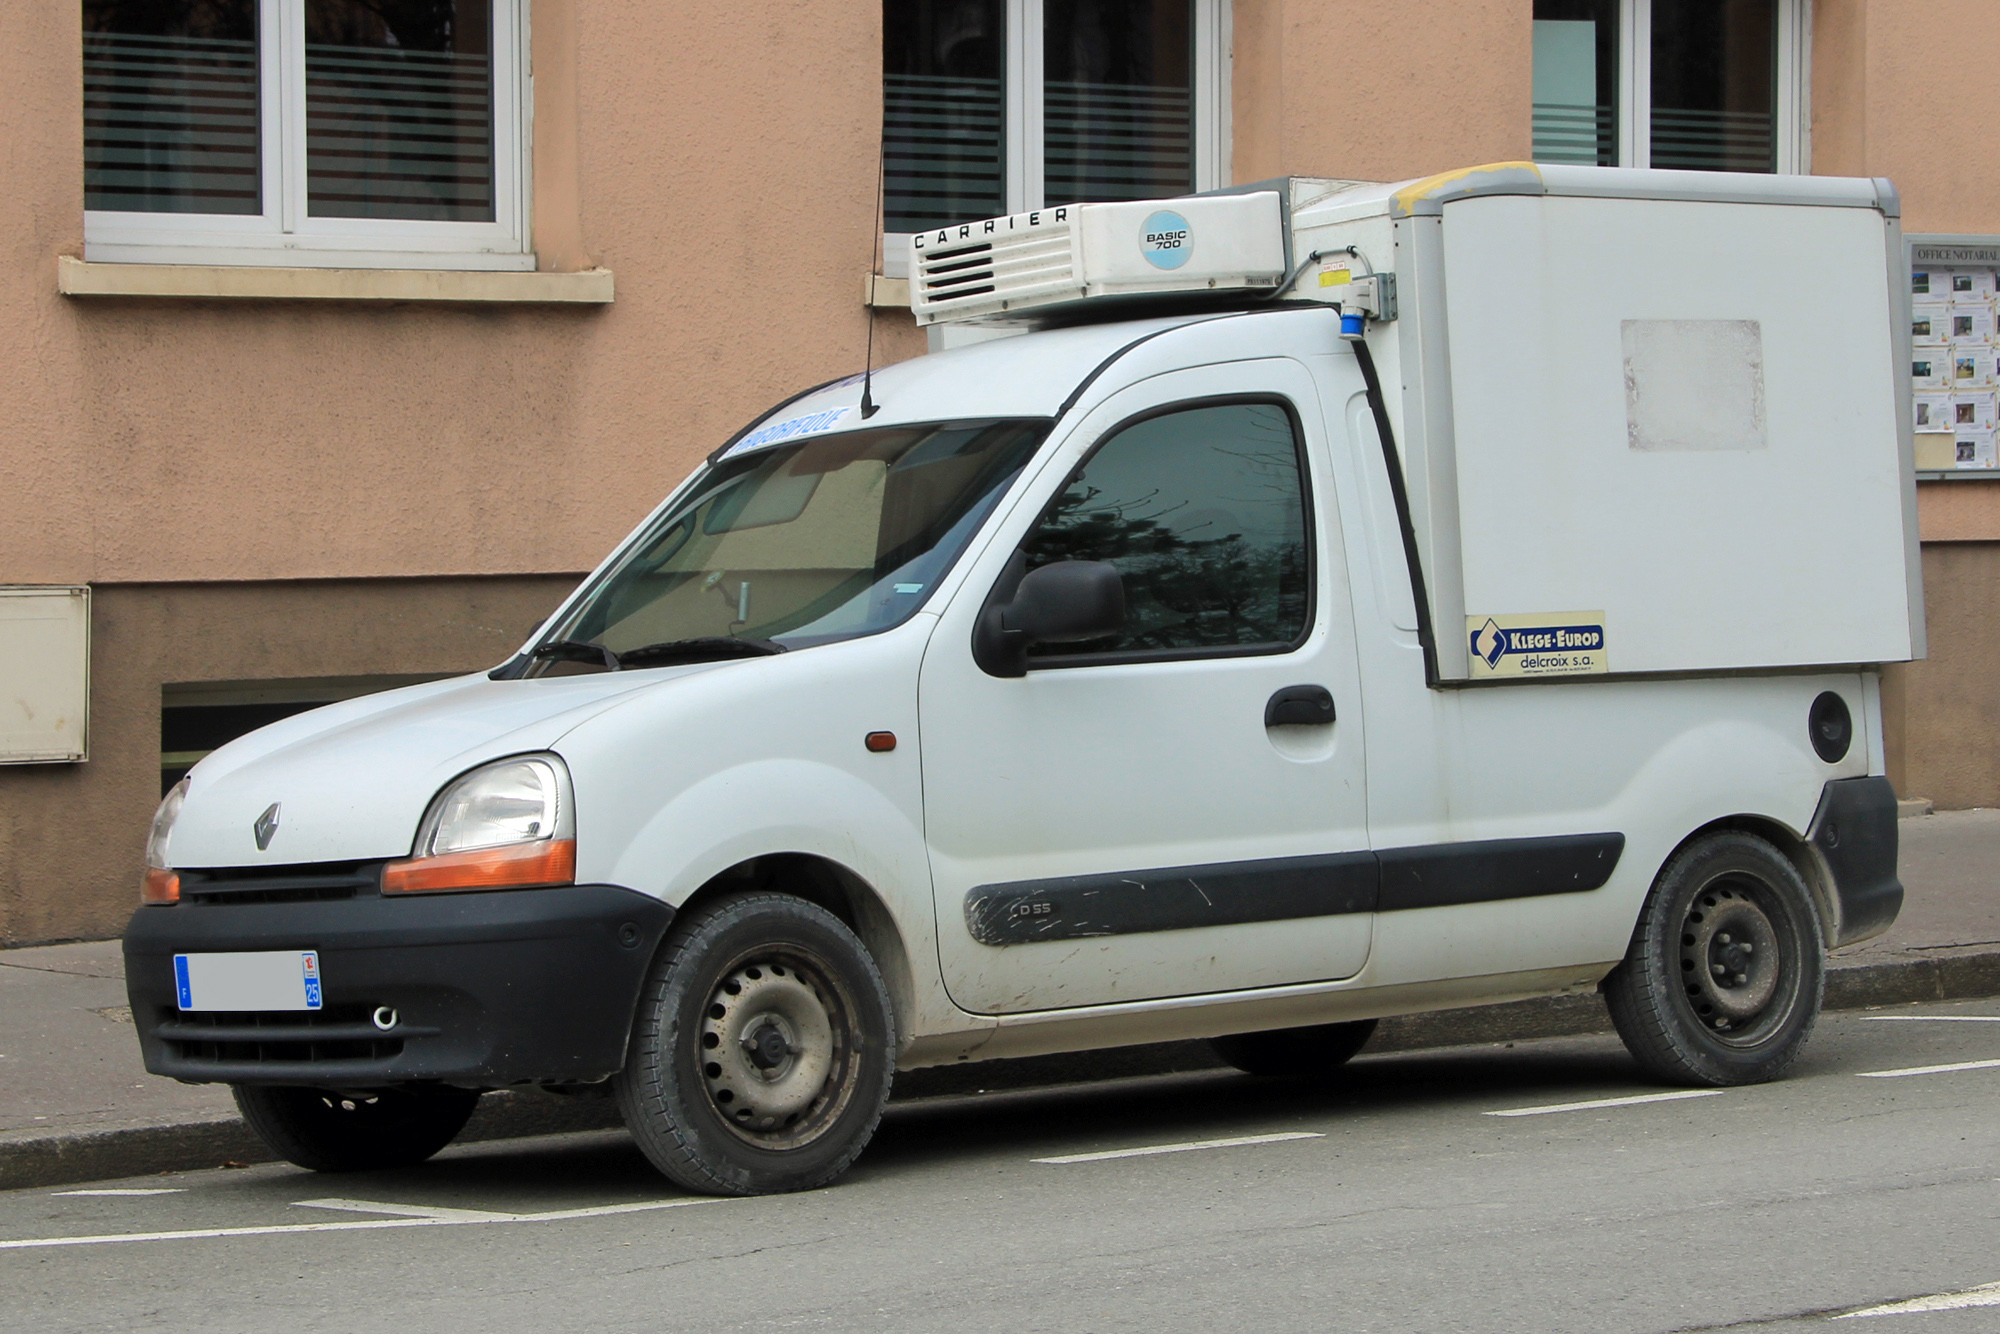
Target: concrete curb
[(66, 1157)]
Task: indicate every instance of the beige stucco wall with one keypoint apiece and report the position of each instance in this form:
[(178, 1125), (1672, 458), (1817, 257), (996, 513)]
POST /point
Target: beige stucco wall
[(1885, 75), (1371, 91), (727, 179), (721, 161), (1943, 714), (73, 836)]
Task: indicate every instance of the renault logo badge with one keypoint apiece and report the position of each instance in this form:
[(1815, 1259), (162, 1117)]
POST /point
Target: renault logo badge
[(266, 826)]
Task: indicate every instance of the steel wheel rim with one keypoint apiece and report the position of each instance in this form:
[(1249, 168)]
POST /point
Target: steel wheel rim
[(776, 1051), (1737, 956)]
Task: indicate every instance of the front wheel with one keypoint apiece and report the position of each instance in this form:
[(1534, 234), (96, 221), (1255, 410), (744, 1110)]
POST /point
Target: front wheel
[(1727, 968), (329, 1130), (763, 1049)]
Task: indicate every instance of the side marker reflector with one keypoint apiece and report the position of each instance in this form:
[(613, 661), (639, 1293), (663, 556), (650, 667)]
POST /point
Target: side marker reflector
[(881, 742)]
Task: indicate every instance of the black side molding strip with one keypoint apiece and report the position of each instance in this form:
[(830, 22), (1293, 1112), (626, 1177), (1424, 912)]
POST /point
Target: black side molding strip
[(1173, 898), (1443, 874), (1278, 889)]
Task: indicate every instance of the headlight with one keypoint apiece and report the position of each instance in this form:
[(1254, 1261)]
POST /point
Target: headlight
[(160, 884), (506, 825)]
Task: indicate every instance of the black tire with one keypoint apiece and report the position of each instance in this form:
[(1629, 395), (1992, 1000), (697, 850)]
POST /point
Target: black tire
[(762, 1051), (1297, 1053), (1727, 968), (330, 1131)]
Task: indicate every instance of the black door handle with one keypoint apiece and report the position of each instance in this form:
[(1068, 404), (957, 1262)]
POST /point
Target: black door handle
[(1309, 706)]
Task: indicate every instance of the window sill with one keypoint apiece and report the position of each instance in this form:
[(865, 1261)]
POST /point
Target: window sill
[(884, 293), (79, 278)]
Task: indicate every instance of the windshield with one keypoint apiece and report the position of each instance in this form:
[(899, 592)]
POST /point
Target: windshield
[(831, 538)]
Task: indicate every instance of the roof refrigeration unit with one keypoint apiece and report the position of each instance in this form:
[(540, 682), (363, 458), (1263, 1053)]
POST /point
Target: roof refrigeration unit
[(1671, 406)]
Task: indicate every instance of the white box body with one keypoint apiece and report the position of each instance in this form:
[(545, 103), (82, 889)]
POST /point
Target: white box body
[(1677, 403), (44, 675)]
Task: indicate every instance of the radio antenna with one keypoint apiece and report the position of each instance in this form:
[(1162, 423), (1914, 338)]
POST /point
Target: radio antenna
[(869, 407)]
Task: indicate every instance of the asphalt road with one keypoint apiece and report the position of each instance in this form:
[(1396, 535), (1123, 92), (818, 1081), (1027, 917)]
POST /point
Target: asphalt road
[(1431, 1191)]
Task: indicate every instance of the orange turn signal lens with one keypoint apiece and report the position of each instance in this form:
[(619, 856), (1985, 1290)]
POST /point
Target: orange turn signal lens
[(516, 866), (160, 886)]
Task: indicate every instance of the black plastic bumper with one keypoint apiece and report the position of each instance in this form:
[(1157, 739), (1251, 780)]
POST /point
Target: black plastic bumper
[(1855, 832), (495, 988)]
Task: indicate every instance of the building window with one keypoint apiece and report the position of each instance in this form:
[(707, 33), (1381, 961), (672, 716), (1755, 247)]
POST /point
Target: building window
[(350, 133), (1000, 106), (1694, 85)]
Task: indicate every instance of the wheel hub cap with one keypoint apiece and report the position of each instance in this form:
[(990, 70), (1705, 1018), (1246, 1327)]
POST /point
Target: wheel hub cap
[(768, 1047), (1729, 956)]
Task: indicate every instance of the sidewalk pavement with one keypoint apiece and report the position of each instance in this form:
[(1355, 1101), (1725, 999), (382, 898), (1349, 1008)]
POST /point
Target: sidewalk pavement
[(77, 1105)]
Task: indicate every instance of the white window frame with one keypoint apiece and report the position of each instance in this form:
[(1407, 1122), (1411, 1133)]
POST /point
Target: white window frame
[(1021, 78), (1794, 86), (284, 234)]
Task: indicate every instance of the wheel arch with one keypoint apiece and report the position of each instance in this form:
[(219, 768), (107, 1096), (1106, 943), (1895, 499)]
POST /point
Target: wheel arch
[(838, 889), (1795, 848)]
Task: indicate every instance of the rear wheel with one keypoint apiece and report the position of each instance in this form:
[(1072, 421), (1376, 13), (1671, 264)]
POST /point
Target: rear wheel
[(1300, 1053), (328, 1130), (1727, 968), (763, 1050)]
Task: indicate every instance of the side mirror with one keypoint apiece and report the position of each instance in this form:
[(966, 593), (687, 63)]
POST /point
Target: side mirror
[(1070, 602)]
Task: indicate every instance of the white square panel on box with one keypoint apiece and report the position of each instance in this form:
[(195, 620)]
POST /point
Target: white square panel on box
[(1930, 370), (1974, 449), (1933, 412), (1928, 284), (1930, 326), (44, 675)]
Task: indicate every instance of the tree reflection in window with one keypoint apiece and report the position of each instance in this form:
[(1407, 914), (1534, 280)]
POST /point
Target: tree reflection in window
[(1203, 512)]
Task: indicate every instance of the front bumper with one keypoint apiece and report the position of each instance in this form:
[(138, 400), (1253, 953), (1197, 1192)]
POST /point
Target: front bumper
[(493, 988), (1855, 833)]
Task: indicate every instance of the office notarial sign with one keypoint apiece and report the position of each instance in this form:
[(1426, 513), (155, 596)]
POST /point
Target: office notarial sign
[(1955, 351), (1955, 254)]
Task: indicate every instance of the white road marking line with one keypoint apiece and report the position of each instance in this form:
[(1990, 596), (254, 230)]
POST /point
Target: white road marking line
[(1595, 1103), (1929, 1069), (439, 1213), (1188, 1147), (364, 1225), (1931, 1019), (166, 1190), (1986, 1294)]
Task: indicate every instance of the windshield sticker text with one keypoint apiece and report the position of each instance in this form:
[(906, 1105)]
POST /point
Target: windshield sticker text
[(790, 429)]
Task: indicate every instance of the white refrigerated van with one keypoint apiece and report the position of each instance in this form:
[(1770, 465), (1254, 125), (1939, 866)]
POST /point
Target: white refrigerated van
[(1334, 601)]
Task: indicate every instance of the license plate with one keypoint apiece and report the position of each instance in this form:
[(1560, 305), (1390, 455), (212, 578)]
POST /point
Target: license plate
[(266, 980)]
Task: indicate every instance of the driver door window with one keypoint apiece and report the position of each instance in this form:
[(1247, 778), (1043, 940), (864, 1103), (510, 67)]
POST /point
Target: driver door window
[(1203, 512)]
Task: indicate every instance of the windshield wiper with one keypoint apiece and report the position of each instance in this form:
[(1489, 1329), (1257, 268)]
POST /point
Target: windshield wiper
[(570, 650), (707, 648)]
